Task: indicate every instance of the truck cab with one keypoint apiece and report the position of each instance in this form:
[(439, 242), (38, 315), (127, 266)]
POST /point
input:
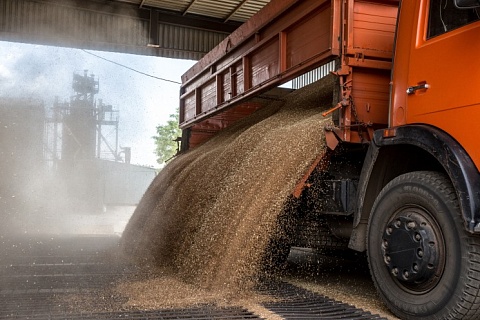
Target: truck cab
[(419, 191)]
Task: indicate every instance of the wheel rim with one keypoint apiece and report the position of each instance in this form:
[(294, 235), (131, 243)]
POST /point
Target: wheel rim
[(413, 250)]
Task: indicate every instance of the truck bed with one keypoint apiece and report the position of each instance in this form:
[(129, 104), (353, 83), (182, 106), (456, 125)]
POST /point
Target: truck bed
[(286, 39)]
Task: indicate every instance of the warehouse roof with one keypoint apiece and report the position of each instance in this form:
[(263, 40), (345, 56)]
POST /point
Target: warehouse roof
[(185, 29)]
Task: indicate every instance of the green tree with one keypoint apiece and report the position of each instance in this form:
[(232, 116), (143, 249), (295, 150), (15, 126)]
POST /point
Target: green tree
[(166, 146)]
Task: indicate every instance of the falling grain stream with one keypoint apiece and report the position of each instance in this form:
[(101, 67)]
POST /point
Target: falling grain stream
[(211, 212)]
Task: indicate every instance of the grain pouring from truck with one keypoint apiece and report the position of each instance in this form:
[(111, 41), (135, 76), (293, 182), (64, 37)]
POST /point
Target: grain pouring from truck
[(400, 177)]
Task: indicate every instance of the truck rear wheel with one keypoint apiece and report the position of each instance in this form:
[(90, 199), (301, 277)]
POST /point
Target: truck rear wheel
[(422, 260)]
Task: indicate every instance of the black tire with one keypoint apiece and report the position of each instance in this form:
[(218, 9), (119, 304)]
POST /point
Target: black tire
[(423, 262)]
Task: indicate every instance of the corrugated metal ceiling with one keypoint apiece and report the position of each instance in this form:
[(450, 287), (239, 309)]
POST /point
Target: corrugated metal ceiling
[(181, 29), (226, 10)]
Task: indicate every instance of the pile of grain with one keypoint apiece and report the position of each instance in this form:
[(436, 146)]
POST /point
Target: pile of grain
[(211, 212)]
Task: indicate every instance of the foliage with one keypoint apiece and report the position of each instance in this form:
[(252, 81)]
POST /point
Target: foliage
[(166, 146)]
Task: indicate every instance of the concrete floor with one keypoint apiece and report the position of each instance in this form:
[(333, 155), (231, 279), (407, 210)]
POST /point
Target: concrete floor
[(111, 221)]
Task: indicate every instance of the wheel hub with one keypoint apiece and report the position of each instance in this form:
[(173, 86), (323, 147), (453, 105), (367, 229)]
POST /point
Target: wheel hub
[(410, 249)]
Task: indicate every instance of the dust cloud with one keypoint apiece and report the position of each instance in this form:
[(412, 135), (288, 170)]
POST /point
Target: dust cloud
[(210, 214), (35, 197)]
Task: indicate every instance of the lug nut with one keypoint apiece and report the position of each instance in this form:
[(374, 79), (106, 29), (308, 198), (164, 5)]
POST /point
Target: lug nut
[(411, 225), (398, 223), (406, 274), (415, 267), (395, 271), (418, 237), (420, 253)]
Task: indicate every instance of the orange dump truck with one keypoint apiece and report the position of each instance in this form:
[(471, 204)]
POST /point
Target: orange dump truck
[(402, 179)]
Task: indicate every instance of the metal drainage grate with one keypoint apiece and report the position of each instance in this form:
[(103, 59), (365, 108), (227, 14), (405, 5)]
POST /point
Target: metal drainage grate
[(298, 303), (190, 313), (34, 273)]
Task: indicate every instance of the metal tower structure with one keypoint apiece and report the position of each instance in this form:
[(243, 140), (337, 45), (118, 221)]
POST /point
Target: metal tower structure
[(77, 129)]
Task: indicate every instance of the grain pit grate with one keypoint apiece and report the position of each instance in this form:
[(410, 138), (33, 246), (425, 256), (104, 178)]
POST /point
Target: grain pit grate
[(297, 303), (201, 313), (38, 273)]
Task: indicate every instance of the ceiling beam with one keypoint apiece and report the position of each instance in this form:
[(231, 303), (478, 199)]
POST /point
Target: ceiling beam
[(239, 6), (197, 21), (189, 7)]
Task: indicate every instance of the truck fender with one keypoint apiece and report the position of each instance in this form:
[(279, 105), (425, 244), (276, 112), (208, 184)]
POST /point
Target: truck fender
[(444, 152)]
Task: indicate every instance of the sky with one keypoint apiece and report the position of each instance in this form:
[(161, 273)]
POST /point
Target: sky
[(42, 73)]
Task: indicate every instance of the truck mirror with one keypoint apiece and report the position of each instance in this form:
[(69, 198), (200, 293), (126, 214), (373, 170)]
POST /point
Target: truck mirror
[(467, 4)]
